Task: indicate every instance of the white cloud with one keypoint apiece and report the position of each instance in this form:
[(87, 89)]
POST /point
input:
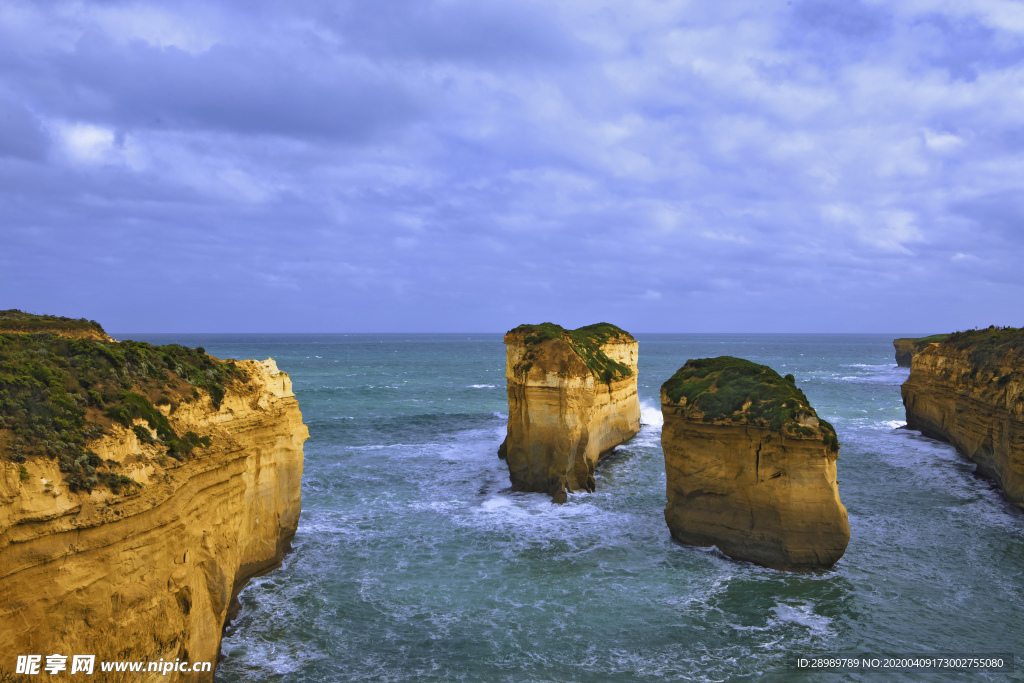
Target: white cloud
[(943, 142), (670, 141), (88, 143)]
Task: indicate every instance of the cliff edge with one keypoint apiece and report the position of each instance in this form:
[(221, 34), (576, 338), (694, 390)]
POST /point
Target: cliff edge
[(571, 399), (969, 390), (750, 468), (141, 487), (908, 347)]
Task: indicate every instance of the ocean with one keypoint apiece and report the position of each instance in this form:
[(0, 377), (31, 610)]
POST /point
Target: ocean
[(415, 561)]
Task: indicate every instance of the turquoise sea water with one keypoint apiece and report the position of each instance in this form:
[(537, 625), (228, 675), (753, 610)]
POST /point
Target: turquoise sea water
[(414, 561)]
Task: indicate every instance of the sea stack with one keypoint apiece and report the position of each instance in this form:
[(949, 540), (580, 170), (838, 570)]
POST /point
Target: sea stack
[(571, 399), (750, 466), (134, 509), (969, 390)]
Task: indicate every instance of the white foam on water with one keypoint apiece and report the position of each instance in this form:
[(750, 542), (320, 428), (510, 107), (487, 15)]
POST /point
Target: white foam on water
[(500, 416), (892, 424), (883, 366), (650, 414), (532, 518), (480, 386), (803, 614)]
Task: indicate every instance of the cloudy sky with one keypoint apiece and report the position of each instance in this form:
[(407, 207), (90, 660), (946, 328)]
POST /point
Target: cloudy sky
[(468, 165)]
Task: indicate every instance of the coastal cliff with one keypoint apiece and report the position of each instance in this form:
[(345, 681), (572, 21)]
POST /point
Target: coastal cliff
[(571, 399), (969, 391), (908, 347), (750, 468), (158, 481)]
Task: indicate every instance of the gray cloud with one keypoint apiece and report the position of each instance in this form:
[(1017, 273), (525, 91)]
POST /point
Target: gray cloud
[(21, 134), (452, 165)]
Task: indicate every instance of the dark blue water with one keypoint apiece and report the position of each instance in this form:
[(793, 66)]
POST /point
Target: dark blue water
[(414, 561)]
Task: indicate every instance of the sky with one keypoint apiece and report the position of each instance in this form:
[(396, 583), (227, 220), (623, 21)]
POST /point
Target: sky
[(470, 165)]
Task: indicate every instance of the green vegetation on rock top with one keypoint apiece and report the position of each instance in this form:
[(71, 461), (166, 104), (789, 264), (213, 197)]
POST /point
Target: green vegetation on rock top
[(58, 393), (921, 342), (18, 321), (990, 345), (743, 391), (586, 342)]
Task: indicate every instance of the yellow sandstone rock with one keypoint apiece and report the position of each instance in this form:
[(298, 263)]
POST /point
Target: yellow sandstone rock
[(154, 574), (969, 391), (750, 468), (908, 347), (571, 399)]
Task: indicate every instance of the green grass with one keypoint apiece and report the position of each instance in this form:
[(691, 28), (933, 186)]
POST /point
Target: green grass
[(721, 389), (586, 342), (14, 320), (932, 339), (57, 394), (990, 346)]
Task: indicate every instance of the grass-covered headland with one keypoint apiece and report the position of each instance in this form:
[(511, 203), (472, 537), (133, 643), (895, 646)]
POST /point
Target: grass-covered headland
[(13, 320), (585, 342), (59, 393), (736, 389), (990, 346)]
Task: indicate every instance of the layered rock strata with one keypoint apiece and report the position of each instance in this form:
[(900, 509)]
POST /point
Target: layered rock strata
[(969, 391), (154, 570), (908, 347), (750, 468), (571, 399)]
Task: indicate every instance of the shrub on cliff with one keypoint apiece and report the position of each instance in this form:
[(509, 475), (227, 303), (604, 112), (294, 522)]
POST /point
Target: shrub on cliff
[(743, 391), (14, 320), (1004, 345), (585, 341), (58, 393)]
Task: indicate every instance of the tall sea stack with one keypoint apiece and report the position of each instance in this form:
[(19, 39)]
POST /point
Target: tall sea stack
[(969, 390), (750, 467), (571, 399)]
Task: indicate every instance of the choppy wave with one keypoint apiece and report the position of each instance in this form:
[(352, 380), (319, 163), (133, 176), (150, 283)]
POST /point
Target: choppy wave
[(414, 559), (650, 414)]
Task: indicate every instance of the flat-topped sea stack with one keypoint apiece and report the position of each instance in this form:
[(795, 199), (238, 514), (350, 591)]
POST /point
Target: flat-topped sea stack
[(908, 347), (969, 390), (140, 488), (750, 466), (571, 399)]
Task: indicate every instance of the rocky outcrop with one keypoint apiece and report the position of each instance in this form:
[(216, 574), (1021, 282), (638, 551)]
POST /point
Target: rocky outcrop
[(969, 391), (571, 399), (750, 468), (908, 347), (154, 570)]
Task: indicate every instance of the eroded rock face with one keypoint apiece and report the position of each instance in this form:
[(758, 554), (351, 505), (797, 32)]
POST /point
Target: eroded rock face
[(908, 347), (155, 574), (750, 468), (969, 391), (569, 403), (904, 351)]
